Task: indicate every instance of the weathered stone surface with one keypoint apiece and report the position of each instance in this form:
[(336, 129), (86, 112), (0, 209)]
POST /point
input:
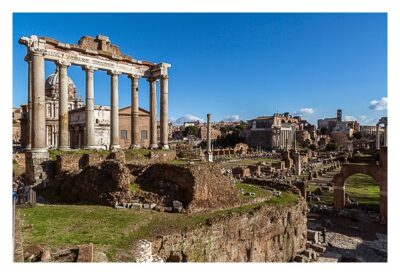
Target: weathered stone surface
[(85, 253), (197, 187), (312, 236), (267, 234), (106, 183)]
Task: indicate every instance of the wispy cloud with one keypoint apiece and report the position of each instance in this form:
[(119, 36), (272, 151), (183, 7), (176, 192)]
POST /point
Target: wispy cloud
[(304, 111), (350, 118), (378, 105), (232, 118), (186, 118)]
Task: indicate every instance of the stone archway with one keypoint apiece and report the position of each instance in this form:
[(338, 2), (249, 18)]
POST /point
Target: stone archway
[(377, 172)]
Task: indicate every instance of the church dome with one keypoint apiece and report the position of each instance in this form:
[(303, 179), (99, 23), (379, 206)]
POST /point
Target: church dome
[(51, 86), (52, 80)]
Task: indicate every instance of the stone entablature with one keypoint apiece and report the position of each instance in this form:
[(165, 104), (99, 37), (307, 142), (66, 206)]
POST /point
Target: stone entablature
[(85, 53)]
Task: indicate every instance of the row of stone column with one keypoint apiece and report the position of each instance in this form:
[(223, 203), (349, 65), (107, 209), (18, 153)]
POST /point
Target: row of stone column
[(37, 115)]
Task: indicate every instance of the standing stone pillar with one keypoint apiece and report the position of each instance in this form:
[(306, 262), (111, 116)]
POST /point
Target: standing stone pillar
[(153, 114), (385, 136), (164, 111), (209, 153), (35, 169), (114, 138), (339, 197), (63, 133), (134, 111), (378, 145), (29, 109), (89, 108), (39, 104)]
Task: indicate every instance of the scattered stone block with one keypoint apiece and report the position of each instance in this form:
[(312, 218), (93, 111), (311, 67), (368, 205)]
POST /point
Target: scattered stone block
[(312, 235), (136, 206), (316, 247), (85, 254)]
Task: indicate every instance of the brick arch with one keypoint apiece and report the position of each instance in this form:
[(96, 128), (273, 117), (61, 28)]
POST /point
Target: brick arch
[(377, 172)]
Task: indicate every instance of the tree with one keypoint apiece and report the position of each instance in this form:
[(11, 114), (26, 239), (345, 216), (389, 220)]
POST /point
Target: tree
[(191, 130), (323, 131), (312, 147), (331, 146), (339, 138)]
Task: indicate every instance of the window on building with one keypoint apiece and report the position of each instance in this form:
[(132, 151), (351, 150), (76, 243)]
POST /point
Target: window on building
[(124, 134), (143, 135)]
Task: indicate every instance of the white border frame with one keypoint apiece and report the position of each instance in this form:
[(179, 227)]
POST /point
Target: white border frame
[(7, 7)]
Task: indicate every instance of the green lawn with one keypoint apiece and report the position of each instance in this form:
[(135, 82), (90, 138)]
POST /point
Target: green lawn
[(259, 192), (54, 153), (363, 189), (113, 231)]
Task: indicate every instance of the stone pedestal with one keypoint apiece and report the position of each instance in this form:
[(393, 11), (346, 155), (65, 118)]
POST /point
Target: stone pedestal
[(36, 167)]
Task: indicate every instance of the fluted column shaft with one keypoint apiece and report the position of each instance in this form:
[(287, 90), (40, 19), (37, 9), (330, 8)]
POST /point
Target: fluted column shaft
[(38, 105), (114, 142), (153, 113), (134, 111), (164, 111), (63, 134), (89, 109)]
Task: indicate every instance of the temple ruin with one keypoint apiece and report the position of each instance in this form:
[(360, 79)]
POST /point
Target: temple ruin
[(92, 54)]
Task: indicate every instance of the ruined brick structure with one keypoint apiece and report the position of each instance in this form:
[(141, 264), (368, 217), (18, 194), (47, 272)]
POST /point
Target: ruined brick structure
[(377, 172)]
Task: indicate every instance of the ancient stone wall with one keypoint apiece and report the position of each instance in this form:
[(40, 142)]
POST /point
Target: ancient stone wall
[(105, 183), (198, 187), (271, 233)]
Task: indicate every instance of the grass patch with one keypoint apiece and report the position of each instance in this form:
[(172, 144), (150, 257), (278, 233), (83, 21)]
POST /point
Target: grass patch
[(54, 153), (114, 231), (259, 192), (136, 153), (134, 186), (363, 188)]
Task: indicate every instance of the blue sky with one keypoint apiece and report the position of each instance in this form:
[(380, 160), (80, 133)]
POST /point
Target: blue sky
[(234, 65)]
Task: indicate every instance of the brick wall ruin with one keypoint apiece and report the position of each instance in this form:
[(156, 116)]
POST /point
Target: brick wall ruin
[(198, 187), (268, 234)]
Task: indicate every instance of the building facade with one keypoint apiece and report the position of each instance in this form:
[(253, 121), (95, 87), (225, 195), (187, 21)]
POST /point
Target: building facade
[(125, 118), (272, 132), (77, 121)]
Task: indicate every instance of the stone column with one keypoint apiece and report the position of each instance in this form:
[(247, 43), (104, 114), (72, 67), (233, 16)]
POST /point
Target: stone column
[(29, 109), (63, 134), (164, 111), (385, 136), (89, 108), (339, 197), (134, 111), (35, 159), (114, 134), (39, 104), (378, 145), (153, 114), (209, 150)]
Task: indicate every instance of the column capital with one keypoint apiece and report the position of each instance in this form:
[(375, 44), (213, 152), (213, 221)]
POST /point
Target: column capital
[(113, 72), (63, 63), (151, 79), (164, 76), (28, 58), (34, 52), (89, 68), (134, 76)]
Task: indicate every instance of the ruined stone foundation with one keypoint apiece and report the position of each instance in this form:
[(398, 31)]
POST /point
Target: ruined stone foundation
[(271, 233)]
